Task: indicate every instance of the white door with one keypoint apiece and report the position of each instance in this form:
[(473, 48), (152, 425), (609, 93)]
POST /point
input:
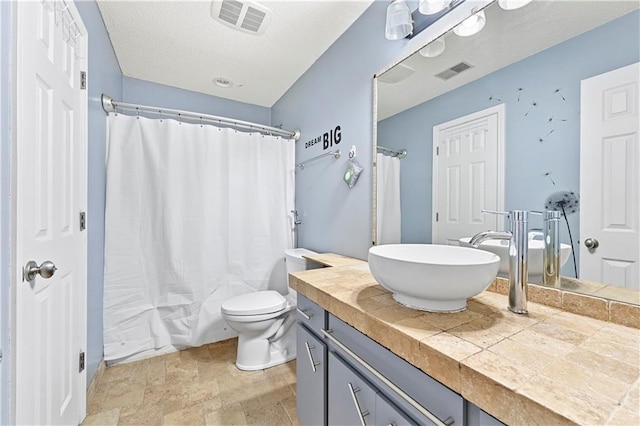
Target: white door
[(610, 178), (51, 176), (468, 170)]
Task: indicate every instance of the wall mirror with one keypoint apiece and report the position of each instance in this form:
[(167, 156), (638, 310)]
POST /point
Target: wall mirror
[(514, 87)]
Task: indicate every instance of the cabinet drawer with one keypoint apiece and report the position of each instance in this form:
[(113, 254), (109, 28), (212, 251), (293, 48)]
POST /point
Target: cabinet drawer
[(310, 314), (352, 399)]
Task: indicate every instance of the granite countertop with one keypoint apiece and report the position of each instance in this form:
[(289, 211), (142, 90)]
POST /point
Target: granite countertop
[(548, 367)]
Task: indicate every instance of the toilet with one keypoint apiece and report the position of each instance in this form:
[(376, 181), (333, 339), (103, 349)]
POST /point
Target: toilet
[(265, 320)]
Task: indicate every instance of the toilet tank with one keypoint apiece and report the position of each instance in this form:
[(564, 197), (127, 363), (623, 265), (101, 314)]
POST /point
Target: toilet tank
[(295, 261)]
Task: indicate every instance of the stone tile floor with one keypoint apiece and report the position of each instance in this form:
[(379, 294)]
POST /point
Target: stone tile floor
[(197, 386)]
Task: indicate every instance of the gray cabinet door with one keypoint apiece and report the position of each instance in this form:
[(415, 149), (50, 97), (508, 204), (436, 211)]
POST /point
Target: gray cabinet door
[(387, 414), (311, 367), (351, 398)]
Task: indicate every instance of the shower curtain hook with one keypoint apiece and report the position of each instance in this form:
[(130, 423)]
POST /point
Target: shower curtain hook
[(138, 113), (160, 114), (200, 121), (180, 119)]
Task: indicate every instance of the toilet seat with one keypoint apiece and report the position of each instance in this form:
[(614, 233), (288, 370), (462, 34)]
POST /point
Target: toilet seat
[(260, 303)]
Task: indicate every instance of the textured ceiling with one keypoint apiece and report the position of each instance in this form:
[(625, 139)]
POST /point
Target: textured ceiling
[(179, 44), (507, 37)]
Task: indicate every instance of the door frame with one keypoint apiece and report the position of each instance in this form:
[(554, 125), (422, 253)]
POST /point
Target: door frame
[(6, 270), (15, 270), (500, 111)]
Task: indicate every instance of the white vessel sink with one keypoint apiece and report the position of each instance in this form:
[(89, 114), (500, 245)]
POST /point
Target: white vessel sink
[(430, 277), (501, 248)]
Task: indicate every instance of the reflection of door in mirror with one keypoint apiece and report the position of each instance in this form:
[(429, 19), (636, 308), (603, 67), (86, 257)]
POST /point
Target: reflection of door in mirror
[(468, 170), (609, 177)]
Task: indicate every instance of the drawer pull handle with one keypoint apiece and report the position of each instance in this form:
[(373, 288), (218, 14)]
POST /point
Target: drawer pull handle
[(361, 414), (402, 394), (313, 363), (304, 314)]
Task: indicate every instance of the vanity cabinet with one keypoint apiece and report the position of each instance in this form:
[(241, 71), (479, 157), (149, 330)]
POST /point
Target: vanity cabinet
[(345, 378)]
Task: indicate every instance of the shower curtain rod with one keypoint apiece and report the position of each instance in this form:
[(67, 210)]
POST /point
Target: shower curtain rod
[(335, 153), (400, 154), (109, 105)]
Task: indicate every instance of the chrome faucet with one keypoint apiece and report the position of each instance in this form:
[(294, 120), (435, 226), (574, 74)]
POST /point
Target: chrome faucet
[(551, 250), (518, 251)]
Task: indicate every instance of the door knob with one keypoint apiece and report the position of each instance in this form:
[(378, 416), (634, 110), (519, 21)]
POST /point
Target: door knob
[(46, 270), (591, 243)]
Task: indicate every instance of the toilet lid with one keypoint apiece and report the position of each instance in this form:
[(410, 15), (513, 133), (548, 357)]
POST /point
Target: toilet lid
[(260, 302)]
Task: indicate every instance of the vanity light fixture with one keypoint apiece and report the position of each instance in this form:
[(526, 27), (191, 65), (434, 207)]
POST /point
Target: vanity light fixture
[(512, 4), (472, 25), (433, 49), (399, 23), (429, 7)]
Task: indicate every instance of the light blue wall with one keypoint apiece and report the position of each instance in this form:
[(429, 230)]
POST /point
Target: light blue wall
[(154, 94), (5, 104), (608, 47), (338, 90), (104, 76)]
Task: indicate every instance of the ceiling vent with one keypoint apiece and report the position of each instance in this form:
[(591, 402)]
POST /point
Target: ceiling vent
[(245, 15), (453, 71), (396, 74)]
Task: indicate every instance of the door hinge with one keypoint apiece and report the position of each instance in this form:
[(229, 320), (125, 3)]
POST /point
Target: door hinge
[(83, 80), (83, 221), (81, 362)]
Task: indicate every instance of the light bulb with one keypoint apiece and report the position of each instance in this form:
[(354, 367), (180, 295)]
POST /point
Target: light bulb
[(472, 25), (433, 49), (430, 7), (512, 4)]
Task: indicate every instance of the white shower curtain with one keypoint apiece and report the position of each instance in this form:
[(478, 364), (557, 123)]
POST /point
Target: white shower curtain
[(388, 196), (194, 215)]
